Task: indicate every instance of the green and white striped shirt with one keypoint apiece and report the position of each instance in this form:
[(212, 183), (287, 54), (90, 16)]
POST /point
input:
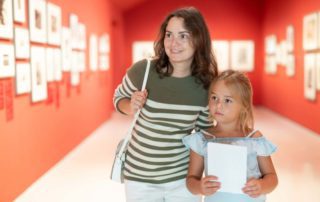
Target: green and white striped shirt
[(175, 106)]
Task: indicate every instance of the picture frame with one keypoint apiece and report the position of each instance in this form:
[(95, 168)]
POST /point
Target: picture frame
[(50, 64), (221, 53), (310, 76), (54, 23), (66, 49), (37, 21), (7, 61), (318, 71), (81, 61), (6, 20), (93, 52), (21, 43), (38, 74), (142, 50), (270, 64), (104, 43), (290, 67), (242, 55), (23, 78), (290, 38), (310, 32), (104, 61), (19, 7), (270, 44), (82, 36), (73, 24)]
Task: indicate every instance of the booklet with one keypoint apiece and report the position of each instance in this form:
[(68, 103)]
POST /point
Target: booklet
[(229, 164)]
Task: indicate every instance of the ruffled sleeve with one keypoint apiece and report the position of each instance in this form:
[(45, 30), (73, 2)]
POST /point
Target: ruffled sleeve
[(264, 147), (196, 142)]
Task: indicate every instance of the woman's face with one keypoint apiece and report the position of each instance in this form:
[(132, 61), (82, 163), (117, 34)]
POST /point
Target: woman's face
[(178, 43)]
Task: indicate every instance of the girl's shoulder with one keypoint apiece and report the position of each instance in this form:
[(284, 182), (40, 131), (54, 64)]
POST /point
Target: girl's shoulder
[(196, 142)]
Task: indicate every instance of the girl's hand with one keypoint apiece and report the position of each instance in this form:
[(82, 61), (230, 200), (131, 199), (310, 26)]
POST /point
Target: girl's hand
[(253, 188), (209, 185), (138, 99)]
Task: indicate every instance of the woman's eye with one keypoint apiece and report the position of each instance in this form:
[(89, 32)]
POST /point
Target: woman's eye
[(168, 35)]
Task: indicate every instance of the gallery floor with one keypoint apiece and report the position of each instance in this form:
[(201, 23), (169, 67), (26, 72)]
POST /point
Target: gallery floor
[(83, 175)]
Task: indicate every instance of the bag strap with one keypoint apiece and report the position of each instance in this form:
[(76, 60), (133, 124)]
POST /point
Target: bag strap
[(129, 132)]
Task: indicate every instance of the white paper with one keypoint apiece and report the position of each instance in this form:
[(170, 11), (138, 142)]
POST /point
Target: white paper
[(229, 164)]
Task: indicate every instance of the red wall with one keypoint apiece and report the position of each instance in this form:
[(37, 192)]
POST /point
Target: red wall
[(227, 20), (280, 93), (39, 135)]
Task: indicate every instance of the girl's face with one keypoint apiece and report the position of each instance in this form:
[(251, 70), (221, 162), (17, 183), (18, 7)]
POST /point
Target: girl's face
[(178, 43), (224, 104)]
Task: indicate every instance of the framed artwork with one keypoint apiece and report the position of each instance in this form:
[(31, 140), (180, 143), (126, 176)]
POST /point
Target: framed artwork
[(57, 64), (221, 53), (23, 78), (310, 31), (104, 61), (142, 50), (49, 64), (73, 22), (37, 21), (81, 55), (21, 43), (310, 76), (54, 24), (93, 52), (19, 7), (82, 36), (242, 55), (104, 44), (282, 53), (270, 44), (318, 71), (7, 61), (6, 21), (38, 74), (290, 38), (290, 69), (270, 64), (66, 49)]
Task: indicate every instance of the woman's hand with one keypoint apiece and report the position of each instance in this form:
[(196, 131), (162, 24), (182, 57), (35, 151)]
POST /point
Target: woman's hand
[(138, 99), (253, 187), (209, 185)]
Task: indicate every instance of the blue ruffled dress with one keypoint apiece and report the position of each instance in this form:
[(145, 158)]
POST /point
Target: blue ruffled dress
[(256, 146)]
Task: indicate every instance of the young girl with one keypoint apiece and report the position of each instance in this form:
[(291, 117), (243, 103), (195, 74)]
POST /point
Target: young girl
[(230, 106)]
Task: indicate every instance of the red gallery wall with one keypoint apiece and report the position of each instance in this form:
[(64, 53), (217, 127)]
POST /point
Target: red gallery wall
[(281, 93), (33, 137)]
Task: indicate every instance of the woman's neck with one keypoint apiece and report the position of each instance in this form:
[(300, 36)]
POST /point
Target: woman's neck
[(181, 70)]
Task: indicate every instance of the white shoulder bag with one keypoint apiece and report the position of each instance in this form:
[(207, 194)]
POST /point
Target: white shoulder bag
[(118, 162)]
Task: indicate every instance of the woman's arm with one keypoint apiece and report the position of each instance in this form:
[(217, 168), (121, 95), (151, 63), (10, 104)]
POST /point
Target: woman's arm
[(130, 106), (195, 182)]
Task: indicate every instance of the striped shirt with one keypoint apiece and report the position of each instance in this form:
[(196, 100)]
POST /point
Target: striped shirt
[(175, 106)]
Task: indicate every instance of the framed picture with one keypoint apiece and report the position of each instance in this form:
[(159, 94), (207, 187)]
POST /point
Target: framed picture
[(310, 31), (50, 64), (54, 24), (104, 61), (81, 55), (19, 11), (318, 71), (6, 21), (282, 53), (290, 38), (270, 64), (310, 76), (290, 69), (142, 50), (104, 44), (57, 64), (221, 53), (73, 22), (82, 36), (38, 74), (7, 61), (270, 44), (242, 55), (21, 43), (93, 52), (66, 49), (23, 78), (37, 21)]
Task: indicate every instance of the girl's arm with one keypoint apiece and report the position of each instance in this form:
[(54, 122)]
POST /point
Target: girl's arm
[(268, 181), (195, 183)]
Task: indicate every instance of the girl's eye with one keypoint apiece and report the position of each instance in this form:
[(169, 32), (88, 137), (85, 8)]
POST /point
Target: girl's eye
[(228, 100), (214, 98)]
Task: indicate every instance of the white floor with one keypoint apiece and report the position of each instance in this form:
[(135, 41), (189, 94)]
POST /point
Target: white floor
[(83, 175)]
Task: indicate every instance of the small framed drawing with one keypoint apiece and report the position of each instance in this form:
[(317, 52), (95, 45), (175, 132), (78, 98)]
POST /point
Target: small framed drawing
[(6, 61), (50, 64), (38, 74), (270, 44), (270, 64), (142, 50), (66, 49), (310, 31), (242, 55), (19, 11), (290, 38), (318, 70), (57, 64), (81, 55), (104, 62), (37, 21), (73, 24), (82, 36), (93, 52), (21, 43), (310, 76), (221, 53), (104, 43), (54, 24), (290, 69), (23, 78), (6, 22)]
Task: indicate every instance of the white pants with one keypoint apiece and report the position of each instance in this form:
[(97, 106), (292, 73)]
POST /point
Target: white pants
[(167, 192)]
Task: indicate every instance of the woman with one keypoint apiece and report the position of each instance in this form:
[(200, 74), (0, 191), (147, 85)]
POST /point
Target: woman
[(174, 103)]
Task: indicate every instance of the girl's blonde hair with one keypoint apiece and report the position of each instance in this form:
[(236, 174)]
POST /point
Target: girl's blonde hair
[(240, 84)]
